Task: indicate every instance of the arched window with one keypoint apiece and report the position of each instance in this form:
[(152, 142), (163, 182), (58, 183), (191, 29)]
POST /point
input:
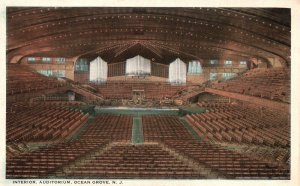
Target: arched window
[(98, 70), (177, 72), (81, 65), (195, 67), (138, 66)]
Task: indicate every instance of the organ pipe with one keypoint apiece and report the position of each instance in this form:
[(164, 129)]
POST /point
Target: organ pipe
[(98, 70), (177, 72), (138, 66)]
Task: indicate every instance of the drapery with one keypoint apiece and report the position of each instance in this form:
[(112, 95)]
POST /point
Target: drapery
[(98, 70), (177, 72), (138, 66)]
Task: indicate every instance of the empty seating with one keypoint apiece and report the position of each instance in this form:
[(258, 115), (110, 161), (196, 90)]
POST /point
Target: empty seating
[(267, 83), (225, 122), (104, 152), (157, 128), (37, 122), (133, 161), (41, 163), (45, 161), (110, 127), (228, 164), (21, 79)]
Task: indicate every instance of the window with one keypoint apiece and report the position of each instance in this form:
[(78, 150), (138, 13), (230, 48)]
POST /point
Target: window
[(213, 76), (228, 63), (46, 60), (52, 73), (61, 60), (82, 65), (195, 67), (31, 59), (243, 62), (227, 76), (45, 72), (213, 62), (59, 73), (56, 73)]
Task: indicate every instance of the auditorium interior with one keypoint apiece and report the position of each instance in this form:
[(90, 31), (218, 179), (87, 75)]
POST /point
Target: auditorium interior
[(148, 93)]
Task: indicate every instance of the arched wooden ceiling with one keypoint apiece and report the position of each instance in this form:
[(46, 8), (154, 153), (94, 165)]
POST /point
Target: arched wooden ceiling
[(162, 34)]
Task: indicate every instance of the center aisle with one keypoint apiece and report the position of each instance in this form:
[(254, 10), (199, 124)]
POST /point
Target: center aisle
[(137, 131)]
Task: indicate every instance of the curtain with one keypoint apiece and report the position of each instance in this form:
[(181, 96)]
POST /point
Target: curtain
[(98, 70), (138, 66), (177, 72)]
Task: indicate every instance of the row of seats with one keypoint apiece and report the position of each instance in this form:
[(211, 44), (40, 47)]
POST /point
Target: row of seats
[(136, 161), (73, 104), (225, 163), (156, 128), (148, 161), (189, 92), (35, 122), (267, 83), (21, 79), (46, 161), (270, 154), (110, 127), (13, 149), (241, 125)]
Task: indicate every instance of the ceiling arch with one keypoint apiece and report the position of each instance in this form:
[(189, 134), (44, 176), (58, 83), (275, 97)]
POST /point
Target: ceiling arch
[(160, 33)]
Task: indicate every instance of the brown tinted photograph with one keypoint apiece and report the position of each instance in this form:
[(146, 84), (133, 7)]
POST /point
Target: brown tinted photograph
[(148, 93)]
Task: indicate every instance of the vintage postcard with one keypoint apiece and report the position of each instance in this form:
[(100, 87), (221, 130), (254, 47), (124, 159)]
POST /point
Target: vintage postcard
[(152, 93)]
